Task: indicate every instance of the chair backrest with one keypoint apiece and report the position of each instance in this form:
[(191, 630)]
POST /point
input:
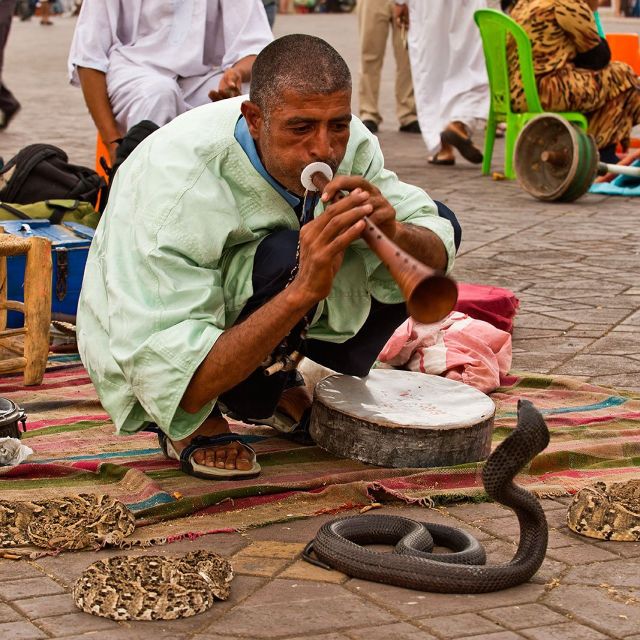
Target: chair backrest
[(495, 27)]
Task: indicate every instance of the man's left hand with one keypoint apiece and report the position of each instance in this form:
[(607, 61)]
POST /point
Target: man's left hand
[(230, 86), (383, 214)]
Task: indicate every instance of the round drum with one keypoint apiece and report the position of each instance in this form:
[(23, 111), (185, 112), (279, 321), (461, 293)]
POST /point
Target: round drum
[(554, 160), (11, 417), (402, 419)]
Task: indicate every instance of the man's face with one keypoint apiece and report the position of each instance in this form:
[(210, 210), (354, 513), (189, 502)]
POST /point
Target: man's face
[(302, 128)]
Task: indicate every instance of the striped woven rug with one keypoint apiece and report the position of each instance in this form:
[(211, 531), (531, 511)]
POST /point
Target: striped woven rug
[(595, 435)]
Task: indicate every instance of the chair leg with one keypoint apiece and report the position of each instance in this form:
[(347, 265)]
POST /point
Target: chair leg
[(489, 139), (513, 129), (37, 309)]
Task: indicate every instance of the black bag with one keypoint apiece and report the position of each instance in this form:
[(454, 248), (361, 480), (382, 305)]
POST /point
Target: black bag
[(43, 172)]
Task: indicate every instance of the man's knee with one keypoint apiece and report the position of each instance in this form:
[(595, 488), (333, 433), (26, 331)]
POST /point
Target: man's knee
[(445, 212), (156, 97), (275, 259)]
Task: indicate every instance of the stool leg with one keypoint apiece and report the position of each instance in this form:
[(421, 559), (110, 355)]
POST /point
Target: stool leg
[(3, 292), (37, 309)]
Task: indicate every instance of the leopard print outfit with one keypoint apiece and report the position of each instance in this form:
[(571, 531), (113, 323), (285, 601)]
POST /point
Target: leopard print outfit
[(559, 30)]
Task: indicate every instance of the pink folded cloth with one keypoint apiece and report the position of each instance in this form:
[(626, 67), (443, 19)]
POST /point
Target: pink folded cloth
[(484, 302), (459, 347)]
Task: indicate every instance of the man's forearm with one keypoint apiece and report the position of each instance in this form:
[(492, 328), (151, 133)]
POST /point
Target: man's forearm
[(94, 89), (423, 244), (243, 347)]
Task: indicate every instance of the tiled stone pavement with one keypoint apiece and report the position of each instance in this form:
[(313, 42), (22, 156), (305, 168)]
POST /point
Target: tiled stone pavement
[(575, 268)]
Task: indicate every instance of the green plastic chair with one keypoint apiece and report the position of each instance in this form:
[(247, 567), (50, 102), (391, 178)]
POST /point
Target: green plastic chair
[(494, 28)]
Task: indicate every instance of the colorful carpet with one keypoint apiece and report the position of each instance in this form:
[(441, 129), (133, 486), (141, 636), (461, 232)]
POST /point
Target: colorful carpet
[(595, 435)]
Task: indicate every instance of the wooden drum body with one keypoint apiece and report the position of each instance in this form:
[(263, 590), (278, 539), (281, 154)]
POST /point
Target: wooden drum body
[(402, 419)]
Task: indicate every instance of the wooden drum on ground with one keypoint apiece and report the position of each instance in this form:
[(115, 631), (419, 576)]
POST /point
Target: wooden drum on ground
[(397, 418)]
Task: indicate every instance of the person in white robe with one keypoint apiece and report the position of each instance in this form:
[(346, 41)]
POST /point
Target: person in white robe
[(155, 59), (449, 74)]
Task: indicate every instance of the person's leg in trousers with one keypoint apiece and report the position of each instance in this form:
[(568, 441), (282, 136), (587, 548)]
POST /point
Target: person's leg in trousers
[(274, 262)]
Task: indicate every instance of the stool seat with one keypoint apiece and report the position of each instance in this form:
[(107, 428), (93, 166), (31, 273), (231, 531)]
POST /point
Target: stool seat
[(36, 306)]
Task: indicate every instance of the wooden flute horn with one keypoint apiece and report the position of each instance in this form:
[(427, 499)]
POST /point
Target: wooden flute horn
[(430, 294)]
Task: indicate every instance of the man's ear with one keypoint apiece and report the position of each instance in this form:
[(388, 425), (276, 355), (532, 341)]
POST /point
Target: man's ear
[(253, 115)]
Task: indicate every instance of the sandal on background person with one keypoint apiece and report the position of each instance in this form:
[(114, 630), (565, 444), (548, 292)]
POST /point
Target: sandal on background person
[(451, 136)]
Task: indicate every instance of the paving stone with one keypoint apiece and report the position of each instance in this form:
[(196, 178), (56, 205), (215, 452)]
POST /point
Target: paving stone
[(20, 631), (29, 588), (7, 614), (17, 570), (502, 635), (595, 607), (45, 606), (410, 604), (460, 625), (262, 567), (271, 549), (580, 554), (302, 570), (399, 631), (524, 616), (296, 531), (565, 631), (80, 623), (621, 573), (307, 607), (592, 365)]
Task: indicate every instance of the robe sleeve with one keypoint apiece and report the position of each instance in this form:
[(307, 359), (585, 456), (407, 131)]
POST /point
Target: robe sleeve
[(246, 30), (166, 277), (577, 19), (94, 35)]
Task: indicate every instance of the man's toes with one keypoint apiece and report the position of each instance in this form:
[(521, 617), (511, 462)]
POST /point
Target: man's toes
[(232, 454), (220, 458), (244, 462)]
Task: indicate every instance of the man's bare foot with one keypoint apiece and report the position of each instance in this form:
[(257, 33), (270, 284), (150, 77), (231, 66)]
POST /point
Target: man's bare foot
[(228, 456)]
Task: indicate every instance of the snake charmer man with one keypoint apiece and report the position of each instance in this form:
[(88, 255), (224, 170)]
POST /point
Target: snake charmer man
[(210, 261)]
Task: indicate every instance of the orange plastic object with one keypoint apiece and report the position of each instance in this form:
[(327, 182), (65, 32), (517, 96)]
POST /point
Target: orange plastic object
[(625, 47), (101, 152)]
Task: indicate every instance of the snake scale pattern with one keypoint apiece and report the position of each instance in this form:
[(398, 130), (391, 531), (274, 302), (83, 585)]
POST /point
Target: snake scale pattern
[(607, 511), (82, 521), (153, 587), (338, 543)]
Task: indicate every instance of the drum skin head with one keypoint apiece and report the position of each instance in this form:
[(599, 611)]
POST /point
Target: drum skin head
[(397, 418)]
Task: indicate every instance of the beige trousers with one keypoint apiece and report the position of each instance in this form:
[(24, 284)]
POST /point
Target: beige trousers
[(375, 20)]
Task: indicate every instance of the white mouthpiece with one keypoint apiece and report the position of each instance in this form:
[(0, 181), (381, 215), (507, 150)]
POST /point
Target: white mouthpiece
[(310, 169)]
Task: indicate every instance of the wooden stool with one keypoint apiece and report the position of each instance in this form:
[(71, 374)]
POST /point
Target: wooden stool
[(36, 307)]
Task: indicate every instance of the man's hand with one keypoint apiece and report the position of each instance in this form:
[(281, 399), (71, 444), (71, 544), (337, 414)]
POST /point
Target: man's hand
[(230, 86), (323, 242), (401, 15), (382, 213)]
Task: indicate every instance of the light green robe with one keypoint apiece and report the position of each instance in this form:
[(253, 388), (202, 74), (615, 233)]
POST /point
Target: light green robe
[(170, 266)]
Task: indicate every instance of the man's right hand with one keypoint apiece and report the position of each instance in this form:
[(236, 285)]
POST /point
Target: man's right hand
[(323, 242)]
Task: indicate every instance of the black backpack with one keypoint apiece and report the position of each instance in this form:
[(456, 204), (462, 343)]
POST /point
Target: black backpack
[(43, 172)]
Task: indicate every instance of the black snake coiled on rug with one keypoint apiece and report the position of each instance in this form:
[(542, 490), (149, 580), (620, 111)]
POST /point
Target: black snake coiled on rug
[(338, 543)]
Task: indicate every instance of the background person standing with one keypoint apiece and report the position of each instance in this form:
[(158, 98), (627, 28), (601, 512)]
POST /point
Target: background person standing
[(375, 20), (9, 106), (449, 75)]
